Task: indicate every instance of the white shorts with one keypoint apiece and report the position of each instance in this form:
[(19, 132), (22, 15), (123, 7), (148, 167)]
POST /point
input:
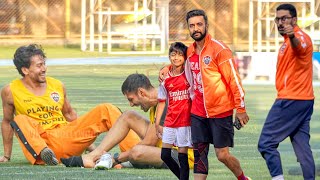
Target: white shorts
[(180, 136)]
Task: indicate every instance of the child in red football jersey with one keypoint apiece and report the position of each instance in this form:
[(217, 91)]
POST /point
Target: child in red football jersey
[(176, 130)]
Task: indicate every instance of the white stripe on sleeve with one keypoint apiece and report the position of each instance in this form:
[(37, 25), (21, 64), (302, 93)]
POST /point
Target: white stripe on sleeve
[(237, 82)]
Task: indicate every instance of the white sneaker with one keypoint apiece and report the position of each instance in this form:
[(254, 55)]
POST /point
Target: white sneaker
[(104, 163)]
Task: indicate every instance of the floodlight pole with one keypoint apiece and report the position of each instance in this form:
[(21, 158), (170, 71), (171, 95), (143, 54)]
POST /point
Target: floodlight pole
[(251, 26), (153, 22), (100, 44), (83, 25), (91, 23), (235, 23), (67, 16)]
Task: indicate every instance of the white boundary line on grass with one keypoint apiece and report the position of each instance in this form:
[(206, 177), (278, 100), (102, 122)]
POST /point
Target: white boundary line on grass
[(125, 61), (94, 61)]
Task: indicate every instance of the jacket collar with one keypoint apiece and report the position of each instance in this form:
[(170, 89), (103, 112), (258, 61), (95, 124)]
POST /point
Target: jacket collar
[(207, 39)]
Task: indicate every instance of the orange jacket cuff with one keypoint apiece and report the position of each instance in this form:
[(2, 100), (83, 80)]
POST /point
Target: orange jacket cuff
[(241, 110)]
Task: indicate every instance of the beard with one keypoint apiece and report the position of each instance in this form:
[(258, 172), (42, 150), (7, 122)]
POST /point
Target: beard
[(41, 78), (193, 35), (281, 31), (143, 108)]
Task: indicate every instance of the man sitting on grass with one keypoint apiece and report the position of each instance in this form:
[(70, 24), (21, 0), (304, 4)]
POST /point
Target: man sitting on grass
[(139, 92), (36, 108)]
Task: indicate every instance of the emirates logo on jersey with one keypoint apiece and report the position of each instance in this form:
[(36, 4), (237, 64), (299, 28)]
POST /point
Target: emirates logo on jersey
[(55, 96), (207, 60)]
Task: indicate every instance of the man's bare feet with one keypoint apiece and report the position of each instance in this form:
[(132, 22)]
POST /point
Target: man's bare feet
[(89, 161)]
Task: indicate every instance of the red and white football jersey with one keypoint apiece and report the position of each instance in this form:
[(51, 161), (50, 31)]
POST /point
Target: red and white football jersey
[(174, 90)]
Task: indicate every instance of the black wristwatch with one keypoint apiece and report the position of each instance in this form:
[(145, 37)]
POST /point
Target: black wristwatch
[(116, 158)]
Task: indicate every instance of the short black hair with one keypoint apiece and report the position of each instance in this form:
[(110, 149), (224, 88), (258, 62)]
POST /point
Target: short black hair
[(197, 12), (23, 55), (292, 10), (135, 81), (178, 47)]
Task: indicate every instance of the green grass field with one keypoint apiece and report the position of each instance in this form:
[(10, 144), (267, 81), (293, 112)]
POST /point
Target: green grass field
[(89, 85)]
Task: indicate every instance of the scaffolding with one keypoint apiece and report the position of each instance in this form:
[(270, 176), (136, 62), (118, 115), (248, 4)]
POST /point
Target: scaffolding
[(146, 33), (267, 36)]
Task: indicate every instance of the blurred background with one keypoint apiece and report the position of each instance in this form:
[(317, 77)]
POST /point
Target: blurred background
[(147, 27), (136, 24)]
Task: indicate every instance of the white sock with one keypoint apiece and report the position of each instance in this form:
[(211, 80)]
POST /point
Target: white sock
[(279, 177)]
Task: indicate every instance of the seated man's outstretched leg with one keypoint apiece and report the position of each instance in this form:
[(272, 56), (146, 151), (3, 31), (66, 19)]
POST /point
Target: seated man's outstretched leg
[(127, 121), (146, 152), (142, 154), (81, 133)]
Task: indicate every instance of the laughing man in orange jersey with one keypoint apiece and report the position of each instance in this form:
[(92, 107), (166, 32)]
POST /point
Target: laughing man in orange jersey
[(291, 113), (36, 108)]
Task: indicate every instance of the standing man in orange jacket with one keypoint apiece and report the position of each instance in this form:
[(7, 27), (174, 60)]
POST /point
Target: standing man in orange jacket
[(291, 113), (215, 91)]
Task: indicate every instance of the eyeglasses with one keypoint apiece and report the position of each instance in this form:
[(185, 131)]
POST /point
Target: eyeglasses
[(283, 19)]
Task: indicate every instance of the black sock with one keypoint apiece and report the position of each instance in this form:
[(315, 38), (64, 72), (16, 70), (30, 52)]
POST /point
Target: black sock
[(184, 166), (74, 161), (170, 162)]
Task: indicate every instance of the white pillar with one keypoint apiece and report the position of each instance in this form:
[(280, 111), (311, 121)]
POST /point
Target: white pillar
[(83, 25), (91, 22), (251, 26), (100, 25)]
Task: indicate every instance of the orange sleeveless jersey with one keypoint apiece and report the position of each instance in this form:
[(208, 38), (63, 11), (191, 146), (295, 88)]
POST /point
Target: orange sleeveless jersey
[(294, 68), (46, 109)]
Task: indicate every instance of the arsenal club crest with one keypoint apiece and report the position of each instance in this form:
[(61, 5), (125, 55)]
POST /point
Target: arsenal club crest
[(207, 60), (55, 96)]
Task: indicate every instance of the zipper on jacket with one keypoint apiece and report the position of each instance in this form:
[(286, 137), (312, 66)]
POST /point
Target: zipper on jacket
[(200, 65)]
